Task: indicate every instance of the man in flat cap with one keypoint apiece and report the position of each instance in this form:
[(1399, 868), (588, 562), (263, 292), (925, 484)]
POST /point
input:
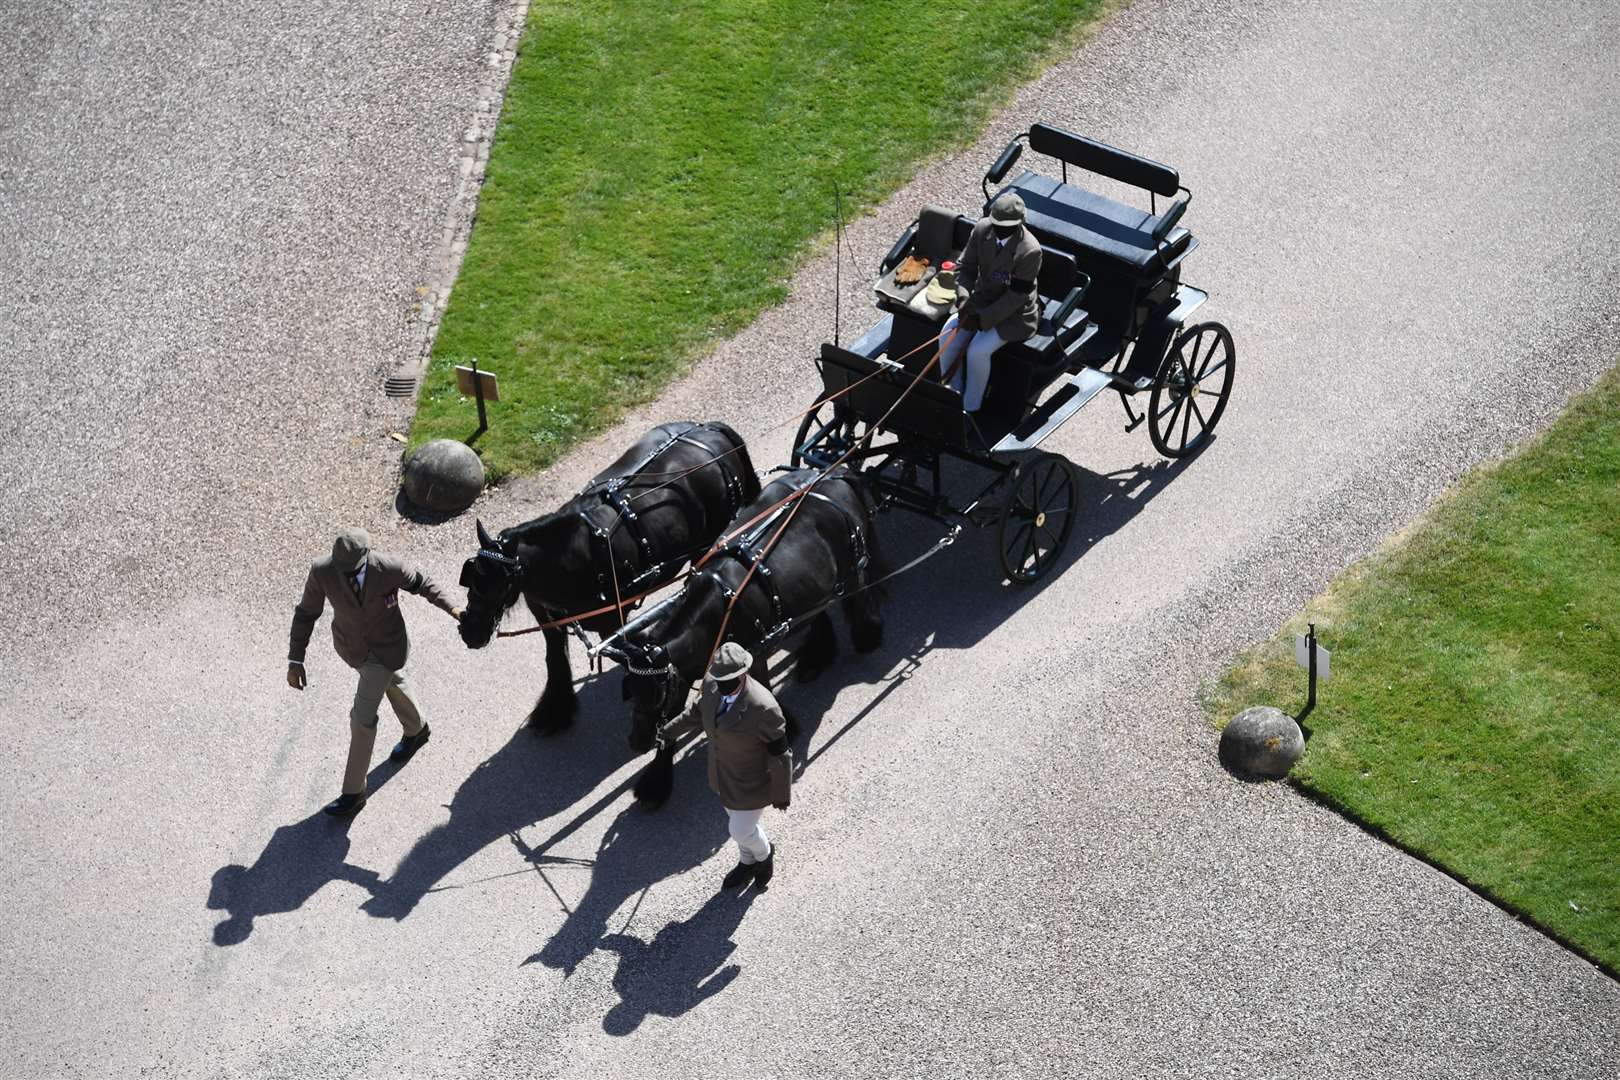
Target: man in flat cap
[(995, 282), (750, 763), (368, 632)]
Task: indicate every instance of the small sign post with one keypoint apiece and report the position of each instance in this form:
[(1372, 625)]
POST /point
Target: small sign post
[(1308, 654), (481, 385)]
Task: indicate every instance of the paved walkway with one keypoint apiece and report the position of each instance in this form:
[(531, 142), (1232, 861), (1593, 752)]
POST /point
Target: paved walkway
[(1011, 852)]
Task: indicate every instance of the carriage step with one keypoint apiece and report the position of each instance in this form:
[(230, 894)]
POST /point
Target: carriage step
[(1073, 394)]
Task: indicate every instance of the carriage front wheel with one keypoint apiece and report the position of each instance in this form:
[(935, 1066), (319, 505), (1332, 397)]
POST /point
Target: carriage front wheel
[(825, 430), (1037, 516), (1191, 389)]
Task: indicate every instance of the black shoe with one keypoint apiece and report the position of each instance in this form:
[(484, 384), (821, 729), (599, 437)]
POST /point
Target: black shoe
[(763, 871), (346, 805), (407, 747), (741, 874)]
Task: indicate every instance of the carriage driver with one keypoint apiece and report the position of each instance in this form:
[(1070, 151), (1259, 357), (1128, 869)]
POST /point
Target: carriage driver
[(995, 284), (750, 763), (368, 631)]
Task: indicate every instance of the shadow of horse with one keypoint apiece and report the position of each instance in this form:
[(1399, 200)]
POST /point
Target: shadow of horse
[(639, 849), (527, 780), (296, 862), (679, 969)]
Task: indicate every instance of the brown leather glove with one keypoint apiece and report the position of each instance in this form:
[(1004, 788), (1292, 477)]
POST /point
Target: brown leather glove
[(911, 271), (295, 676)]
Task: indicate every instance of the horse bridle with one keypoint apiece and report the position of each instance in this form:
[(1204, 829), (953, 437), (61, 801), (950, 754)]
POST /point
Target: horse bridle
[(510, 567), (665, 673)]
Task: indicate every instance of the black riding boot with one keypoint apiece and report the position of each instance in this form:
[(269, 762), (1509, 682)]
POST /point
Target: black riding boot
[(764, 869)]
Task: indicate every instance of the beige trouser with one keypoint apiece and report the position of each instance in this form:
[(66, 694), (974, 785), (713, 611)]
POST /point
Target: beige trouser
[(376, 680)]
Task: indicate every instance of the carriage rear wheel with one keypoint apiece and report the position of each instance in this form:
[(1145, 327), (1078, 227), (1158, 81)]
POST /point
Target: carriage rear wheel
[(1191, 389), (833, 441), (1037, 516)]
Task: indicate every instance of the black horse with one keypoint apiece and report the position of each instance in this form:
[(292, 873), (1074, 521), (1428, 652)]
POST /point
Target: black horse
[(824, 554), (633, 528)]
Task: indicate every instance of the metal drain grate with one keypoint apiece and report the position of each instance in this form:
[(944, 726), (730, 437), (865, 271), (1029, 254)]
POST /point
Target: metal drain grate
[(400, 386)]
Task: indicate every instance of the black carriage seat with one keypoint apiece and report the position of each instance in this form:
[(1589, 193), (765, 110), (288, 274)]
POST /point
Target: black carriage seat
[(1046, 348), (1083, 222)]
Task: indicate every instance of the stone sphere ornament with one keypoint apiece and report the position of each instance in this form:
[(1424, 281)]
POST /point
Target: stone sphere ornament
[(1262, 741), (444, 475)]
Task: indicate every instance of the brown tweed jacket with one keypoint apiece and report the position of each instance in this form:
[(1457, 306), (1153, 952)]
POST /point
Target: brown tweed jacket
[(750, 763), (370, 624)]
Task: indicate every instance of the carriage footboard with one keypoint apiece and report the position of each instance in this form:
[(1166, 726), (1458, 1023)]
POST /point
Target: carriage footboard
[(1074, 392)]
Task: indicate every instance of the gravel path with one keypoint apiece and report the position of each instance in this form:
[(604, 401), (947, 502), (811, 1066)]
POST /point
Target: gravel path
[(1011, 851)]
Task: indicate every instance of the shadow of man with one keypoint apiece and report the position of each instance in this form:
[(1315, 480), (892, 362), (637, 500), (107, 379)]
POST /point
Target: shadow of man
[(639, 849), (681, 968), (298, 860), (527, 780)]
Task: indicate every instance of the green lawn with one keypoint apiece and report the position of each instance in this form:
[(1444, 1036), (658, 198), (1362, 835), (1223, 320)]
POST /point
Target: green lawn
[(659, 168), (1474, 712)]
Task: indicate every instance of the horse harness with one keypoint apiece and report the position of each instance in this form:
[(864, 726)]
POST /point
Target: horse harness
[(615, 498), (746, 550)]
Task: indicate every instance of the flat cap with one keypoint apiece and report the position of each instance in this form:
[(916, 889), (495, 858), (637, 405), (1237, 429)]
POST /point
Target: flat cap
[(350, 548), (1008, 209), (731, 661)]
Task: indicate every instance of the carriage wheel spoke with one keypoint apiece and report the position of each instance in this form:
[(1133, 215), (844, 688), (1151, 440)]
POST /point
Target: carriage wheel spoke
[(1174, 411), (1017, 543), (1029, 549), (1214, 347), (1202, 375), (1186, 423), (1197, 344), (1052, 540), (1203, 422), (1045, 481)]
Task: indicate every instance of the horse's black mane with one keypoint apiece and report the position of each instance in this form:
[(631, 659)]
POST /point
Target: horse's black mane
[(529, 532)]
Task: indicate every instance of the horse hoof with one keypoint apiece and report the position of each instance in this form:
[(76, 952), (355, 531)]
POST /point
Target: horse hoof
[(550, 724)]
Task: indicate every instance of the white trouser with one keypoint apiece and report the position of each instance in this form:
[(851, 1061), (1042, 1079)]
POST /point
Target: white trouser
[(970, 378), (752, 842)]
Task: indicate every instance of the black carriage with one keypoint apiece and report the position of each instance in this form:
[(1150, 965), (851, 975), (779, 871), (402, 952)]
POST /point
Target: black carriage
[(1114, 316)]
